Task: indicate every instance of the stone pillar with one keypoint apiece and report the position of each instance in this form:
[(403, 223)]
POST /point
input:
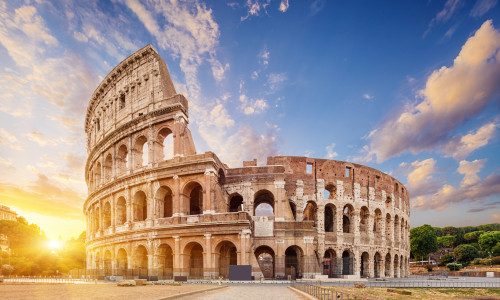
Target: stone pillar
[(280, 200), (129, 204), (339, 217), (357, 263), (130, 154), (356, 219), (177, 198), (208, 205), (150, 205), (371, 265), (299, 192), (207, 261), (177, 263), (151, 146)]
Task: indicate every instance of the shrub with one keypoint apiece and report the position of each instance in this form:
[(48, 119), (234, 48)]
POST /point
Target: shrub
[(485, 261), (454, 266), (496, 249), (359, 285), (429, 267), (445, 259), (495, 260), (465, 253)]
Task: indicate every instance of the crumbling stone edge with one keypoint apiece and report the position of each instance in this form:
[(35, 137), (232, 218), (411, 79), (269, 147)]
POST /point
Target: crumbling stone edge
[(192, 293)]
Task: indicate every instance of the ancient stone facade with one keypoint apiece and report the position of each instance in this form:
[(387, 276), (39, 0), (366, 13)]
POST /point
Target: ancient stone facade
[(157, 208)]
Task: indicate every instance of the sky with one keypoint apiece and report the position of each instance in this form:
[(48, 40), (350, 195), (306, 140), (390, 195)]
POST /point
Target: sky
[(411, 88)]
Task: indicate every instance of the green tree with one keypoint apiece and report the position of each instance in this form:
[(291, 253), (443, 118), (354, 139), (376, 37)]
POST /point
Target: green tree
[(489, 227), (488, 240), (473, 237), (465, 253), (446, 259), (423, 240), (446, 241), (496, 250)]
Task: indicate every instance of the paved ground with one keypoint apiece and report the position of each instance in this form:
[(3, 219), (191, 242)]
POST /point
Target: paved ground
[(92, 291), (247, 291)]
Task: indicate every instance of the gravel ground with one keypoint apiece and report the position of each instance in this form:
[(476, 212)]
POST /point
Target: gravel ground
[(248, 292), (92, 291)]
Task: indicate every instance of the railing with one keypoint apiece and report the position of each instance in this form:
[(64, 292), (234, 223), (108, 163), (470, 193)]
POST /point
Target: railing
[(321, 292), (414, 283)]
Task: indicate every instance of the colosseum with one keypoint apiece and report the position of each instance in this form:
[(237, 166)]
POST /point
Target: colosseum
[(157, 208)]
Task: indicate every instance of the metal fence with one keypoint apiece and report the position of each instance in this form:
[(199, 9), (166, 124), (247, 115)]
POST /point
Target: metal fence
[(415, 284), (322, 292)]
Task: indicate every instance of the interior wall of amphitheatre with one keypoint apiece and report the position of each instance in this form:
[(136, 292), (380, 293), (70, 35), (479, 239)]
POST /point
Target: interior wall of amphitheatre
[(158, 208)]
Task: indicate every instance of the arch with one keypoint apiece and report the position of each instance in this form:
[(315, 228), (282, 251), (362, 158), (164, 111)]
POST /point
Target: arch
[(310, 211), (388, 265), (194, 191), (377, 265), (107, 215), (141, 260), (378, 222), (265, 258), (107, 263), (226, 255), (330, 192), (401, 266), (364, 215), (388, 228), (235, 203), (165, 141), (108, 167), (330, 214), (347, 263), (293, 262), (347, 224), (140, 155), (388, 203), (365, 265), (121, 211), (397, 229), (140, 206), (121, 262), (263, 204), (165, 262), (293, 208), (164, 202), (97, 174), (396, 266), (193, 260), (122, 159), (330, 266)]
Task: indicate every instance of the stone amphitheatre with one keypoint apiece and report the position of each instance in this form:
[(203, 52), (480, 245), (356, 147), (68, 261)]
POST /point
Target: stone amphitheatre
[(158, 208)]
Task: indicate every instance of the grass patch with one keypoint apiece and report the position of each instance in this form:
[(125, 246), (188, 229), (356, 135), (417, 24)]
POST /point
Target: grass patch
[(456, 291), (494, 291)]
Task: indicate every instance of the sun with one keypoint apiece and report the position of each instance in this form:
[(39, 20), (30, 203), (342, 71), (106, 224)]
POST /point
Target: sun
[(54, 244)]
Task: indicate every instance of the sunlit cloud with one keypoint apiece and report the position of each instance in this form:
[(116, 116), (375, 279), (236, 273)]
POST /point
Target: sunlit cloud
[(255, 8), (451, 96), (330, 154), (284, 5), (421, 178), (41, 139), (470, 169), (252, 106), (461, 146), (276, 81), (9, 140), (481, 7), (450, 7)]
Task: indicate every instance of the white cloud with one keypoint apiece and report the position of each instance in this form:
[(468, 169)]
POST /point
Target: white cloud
[(450, 7), (284, 5), (6, 164), (255, 7), (80, 37), (368, 96), (9, 140), (41, 139), (264, 57), (451, 96), (252, 106), (481, 7), (470, 169), (421, 180), (461, 146), (330, 154), (255, 75), (276, 80)]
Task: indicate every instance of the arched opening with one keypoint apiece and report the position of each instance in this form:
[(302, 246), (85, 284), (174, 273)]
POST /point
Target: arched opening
[(122, 159), (140, 156), (396, 266), (97, 174), (347, 263), (330, 213), (164, 203), (396, 231), (107, 263), (377, 264), (140, 206), (330, 266), (330, 192), (121, 211), (107, 215), (293, 262), (388, 228), (193, 260), (265, 258), (293, 208), (365, 265), (121, 262), (227, 257), (401, 266), (310, 211), (378, 223), (165, 262), (141, 261), (195, 194), (263, 203), (165, 140), (108, 164), (235, 203), (388, 203), (363, 219), (388, 265), (346, 219)]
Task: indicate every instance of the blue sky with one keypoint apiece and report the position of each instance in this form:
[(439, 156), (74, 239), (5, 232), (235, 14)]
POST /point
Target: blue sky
[(411, 88)]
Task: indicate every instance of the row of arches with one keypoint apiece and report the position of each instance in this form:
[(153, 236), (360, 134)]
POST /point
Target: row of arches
[(134, 157)]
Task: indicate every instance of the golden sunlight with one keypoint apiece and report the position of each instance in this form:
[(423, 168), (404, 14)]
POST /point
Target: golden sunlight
[(54, 245)]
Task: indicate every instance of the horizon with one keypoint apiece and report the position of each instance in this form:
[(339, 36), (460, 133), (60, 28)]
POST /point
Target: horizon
[(416, 85)]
